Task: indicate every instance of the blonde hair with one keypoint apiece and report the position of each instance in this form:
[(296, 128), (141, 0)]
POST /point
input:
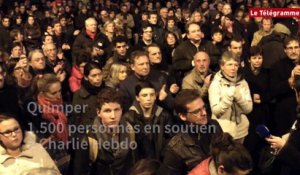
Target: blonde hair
[(228, 56), (193, 16), (115, 69)]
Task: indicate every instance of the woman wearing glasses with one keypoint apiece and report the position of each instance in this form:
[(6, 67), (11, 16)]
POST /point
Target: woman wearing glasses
[(18, 149), (230, 98)]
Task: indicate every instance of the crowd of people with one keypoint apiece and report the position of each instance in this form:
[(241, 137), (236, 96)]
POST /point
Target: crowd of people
[(148, 87)]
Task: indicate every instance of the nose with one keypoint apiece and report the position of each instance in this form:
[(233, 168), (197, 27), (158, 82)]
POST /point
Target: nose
[(113, 115)]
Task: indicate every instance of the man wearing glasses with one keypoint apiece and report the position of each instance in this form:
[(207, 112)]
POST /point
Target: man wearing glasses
[(191, 145), (283, 76)]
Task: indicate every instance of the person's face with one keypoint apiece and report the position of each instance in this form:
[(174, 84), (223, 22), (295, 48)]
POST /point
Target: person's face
[(30, 20), (217, 37), (171, 24), (164, 13), (220, 7), (48, 39), (38, 61), (171, 13), (266, 25), (197, 17), (104, 14), (121, 48), (141, 66), (265, 3), (5, 22), (292, 50), (147, 34), (171, 40), (22, 9), (226, 9), (202, 63), (230, 68), (228, 22), (95, 77), (154, 55), (57, 28), (16, 51), (256, 61), (51, 52), (239, 16), (153, 19), (110, 114), (63, 22), (236, 48), (81, 67), (124, 9), (54, 91), (146, 98), (123, 73), (110, 28), (11, 134), (196, 113), (144, 17), (92, 26), (194, 33), (19, 21)]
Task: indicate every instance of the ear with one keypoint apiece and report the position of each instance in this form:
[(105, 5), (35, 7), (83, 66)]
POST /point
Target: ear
[(132, 67), (137, 98), (98, 112), (182, 117), (85, 78), (221, 170)]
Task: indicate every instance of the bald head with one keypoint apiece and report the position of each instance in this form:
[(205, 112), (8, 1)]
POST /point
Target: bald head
[(201, 61)]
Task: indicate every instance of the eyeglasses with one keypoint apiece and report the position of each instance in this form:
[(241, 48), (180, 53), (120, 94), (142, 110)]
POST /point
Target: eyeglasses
[(197, 111), (10, 132)]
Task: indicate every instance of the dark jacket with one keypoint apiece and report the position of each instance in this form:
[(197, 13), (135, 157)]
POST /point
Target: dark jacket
[(285, 105), (83, 41), (273, 50), (127, 87), (150, 144), (186, 150), (32, 36), (108, 161), (183, 56)]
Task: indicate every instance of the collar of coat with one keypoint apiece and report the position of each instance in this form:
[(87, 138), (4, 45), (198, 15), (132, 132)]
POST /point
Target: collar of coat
[(28, 142)]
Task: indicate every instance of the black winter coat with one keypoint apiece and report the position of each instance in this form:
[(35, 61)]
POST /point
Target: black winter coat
[(150, 144)]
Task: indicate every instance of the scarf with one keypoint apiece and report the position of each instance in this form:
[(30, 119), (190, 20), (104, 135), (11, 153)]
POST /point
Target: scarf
[(235, 113), (53, 112), (90, 88), (91, 34)]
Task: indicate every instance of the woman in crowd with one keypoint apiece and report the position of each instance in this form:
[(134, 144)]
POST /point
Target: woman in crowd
[(32, 34), (19, 150), (109, 30), (227, 157), (91, 85), (230, 98), (118, 72), (259, 83), (143, 113), (170, 43), (77, 72)]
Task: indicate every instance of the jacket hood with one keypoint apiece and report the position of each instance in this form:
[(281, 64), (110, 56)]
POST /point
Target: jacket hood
[(76, 72)]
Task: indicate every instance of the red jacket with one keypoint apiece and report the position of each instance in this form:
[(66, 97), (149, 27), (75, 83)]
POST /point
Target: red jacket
[(75, 79), (202, 168)]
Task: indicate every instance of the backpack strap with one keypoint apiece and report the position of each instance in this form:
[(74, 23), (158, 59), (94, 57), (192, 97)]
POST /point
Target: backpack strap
[(93, 149)]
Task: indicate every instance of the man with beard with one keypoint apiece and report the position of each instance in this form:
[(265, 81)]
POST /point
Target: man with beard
[(283, 74), (184, 53)]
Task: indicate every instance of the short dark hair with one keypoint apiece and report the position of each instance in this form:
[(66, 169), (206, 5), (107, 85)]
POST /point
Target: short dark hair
[(232, 155), (119, 39), (142, 85), (287, 41), (89, 66), (136, 54), (108, 95), (82, 58), (255, 50), (183, 98), (236, 39)]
